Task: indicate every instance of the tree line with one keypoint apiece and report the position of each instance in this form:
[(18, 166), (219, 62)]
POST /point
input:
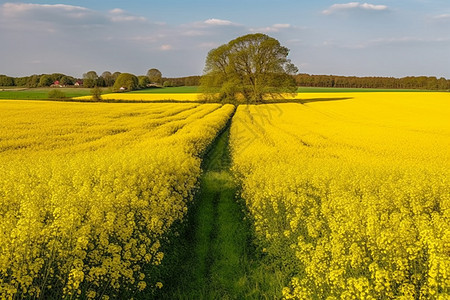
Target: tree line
[(91, 79), (107, 79), (410, 82)]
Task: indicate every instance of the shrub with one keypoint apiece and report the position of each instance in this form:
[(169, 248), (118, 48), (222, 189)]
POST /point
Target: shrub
[(96, 93), (56, 94)]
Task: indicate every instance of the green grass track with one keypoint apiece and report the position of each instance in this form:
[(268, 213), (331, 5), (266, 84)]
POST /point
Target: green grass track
[(216, 256)]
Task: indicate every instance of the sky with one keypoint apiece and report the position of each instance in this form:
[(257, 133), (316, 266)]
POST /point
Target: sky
[(393, 38)]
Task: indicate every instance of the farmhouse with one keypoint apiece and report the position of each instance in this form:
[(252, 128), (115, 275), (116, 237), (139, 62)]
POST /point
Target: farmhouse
[(56, 84)]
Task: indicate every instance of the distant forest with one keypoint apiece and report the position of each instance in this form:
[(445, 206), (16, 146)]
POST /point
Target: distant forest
[(421, 82), (306, 80)]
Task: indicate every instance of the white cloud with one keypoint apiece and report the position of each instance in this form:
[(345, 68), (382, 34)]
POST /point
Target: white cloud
[(117, 11), (273, 28), (124, 18), (166, 47), (282, 26), (22, 9), (353, 6), (218, 22), (120, 15), (442, 17), (74, 39), (49, 18), (12, 8)]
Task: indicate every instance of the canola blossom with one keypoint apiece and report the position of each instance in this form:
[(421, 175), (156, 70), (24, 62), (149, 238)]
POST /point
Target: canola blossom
[(351, 193), (180, 97), (198, 97), (88, 192)]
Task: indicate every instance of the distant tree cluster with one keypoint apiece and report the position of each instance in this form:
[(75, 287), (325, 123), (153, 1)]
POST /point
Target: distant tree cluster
[(181, 81), (92, 79), (107, 79), (43, 80), (422, 82), (6, 80)]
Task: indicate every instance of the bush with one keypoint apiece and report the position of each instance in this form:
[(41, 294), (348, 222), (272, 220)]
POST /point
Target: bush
[(96, 93), (56, 94)]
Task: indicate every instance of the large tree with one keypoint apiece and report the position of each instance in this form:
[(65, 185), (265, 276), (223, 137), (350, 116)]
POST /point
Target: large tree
[(108, 78), (126, 80), (250, 68), (155, 76), (90, 79)]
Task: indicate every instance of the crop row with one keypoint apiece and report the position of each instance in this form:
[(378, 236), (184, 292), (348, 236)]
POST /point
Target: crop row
[(88, 192), (352, 197)]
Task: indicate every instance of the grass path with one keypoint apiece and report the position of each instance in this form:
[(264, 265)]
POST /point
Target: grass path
[(218, 259)]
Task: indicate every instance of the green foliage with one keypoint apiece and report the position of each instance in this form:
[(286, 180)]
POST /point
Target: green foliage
[(42, 93), (192, 81), (67, 80), (45, 80), (56, 94), (143, 81), (214, 257), (155, 76), (90, 75), (115, 75), (108, 78), (6, 80), (90, 79), (21, 81), (126, 80), (56, 76), (248, 68), (307, 89), (410, 82), (168, 83), (96, 93), (33, 81)]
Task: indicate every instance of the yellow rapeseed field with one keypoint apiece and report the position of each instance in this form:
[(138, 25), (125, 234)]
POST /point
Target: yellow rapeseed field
[(87, 192), (351, 192), (185, 97)]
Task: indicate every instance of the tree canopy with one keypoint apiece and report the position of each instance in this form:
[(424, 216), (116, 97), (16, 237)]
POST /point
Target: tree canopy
[(6, 80), (108, 78), (90, 79), (45, 80), (250, 68), (126, 80), (155, 76), (143, 81)]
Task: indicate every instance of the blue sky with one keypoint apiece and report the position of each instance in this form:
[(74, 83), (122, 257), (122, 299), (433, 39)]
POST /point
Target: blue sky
[(374, 38)]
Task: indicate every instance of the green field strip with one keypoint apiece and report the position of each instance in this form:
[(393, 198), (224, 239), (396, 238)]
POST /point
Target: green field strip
[(216, 256)]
